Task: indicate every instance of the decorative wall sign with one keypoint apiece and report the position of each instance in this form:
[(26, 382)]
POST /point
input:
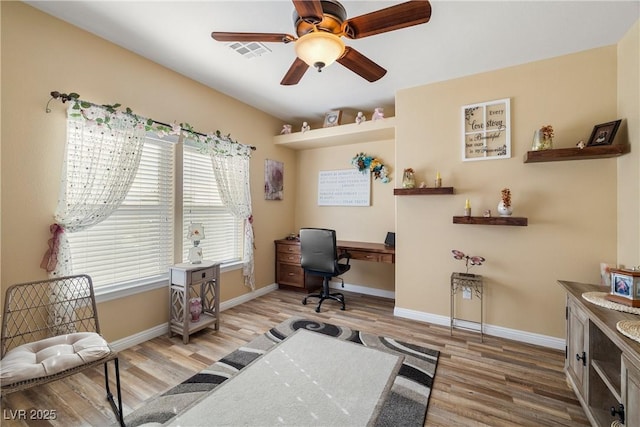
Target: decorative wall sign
[(273, 180), (486, 130), (344, 187)]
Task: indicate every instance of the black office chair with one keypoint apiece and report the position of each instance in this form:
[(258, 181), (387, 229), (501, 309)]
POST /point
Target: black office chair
[(320, 258)]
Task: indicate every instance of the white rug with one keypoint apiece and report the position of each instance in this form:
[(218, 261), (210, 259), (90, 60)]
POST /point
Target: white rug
[(309, 379)]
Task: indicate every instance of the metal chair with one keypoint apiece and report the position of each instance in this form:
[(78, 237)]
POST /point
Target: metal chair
[(319, 256), (50, 330)]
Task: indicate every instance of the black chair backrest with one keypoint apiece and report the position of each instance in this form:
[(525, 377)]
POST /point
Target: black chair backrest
[(318, 250)]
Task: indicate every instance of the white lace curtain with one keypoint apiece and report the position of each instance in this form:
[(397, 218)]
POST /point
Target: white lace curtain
[(231, 168), (101, 160)]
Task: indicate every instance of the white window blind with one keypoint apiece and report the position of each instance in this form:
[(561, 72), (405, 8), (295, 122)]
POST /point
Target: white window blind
[(202, 203), (135, 244)]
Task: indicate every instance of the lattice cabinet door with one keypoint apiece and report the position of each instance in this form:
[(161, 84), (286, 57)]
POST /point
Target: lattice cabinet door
[(189, 281)]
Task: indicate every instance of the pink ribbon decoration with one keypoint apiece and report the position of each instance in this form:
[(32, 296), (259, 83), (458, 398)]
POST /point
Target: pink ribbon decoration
[(50, 259)]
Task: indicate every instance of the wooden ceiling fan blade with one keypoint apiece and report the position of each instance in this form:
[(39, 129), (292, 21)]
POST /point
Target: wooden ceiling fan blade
[(252, 37), (309, 10), (295, 72), (391, 18), (361, 65)]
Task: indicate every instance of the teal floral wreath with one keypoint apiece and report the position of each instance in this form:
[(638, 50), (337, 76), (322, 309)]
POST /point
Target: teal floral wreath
[(364, 162)]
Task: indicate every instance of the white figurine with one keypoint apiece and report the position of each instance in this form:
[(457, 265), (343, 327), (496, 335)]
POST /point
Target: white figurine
[(580, 144), (305, 127), (285, 129), (360, 117), (378, 114)]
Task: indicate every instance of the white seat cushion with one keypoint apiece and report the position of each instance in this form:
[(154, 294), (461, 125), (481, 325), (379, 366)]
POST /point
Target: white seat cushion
[(51, 356)]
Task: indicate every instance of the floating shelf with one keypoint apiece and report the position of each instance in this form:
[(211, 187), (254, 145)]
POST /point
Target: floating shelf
[(491, 220), (422, 191), (353, 133), (561, 154)]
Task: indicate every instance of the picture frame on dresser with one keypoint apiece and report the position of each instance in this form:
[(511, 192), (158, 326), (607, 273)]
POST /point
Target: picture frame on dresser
[(625, 287)]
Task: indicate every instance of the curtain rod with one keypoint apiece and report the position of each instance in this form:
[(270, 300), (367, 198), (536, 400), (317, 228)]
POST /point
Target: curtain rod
[(75, 97)]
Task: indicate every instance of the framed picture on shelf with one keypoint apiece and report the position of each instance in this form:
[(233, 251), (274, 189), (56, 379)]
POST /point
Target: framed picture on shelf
[(332, 118), (604, 133)]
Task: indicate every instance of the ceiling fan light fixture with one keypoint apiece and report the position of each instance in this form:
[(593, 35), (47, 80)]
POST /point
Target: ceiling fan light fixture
[(319, 49)]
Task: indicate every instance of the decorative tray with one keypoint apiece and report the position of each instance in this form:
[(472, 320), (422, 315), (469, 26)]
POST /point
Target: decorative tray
[(629, 328), (598, 298)]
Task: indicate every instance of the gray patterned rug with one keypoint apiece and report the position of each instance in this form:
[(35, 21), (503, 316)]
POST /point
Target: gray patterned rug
[(406, 403)]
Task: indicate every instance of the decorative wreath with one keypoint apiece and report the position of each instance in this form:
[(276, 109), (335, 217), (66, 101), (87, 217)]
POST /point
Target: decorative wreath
[(364, 162)]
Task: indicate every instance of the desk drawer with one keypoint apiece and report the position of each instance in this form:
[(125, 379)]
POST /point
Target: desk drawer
[(292, 275), (289, 249), (371, 256), (290, 258)]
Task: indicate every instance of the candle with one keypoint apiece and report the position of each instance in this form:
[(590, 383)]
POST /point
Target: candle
[(467, 205), (438, 180), (437, 175)]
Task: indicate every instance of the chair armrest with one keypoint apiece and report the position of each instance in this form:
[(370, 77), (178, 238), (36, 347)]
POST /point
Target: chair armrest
[(344, 255)]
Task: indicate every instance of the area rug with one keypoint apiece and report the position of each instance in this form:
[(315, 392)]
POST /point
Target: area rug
[(405, 404), (294, 384)]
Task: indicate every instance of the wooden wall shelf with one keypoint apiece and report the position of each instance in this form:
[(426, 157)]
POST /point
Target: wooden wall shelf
[(561, 154), (352, 133), (422, 191), (492, 220)]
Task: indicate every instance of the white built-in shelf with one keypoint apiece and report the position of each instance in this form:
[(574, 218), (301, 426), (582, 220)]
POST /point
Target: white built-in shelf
[(353, 133)]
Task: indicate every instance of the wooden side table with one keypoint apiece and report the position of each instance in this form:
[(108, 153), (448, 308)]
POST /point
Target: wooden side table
[(194, 281), (459, 282)]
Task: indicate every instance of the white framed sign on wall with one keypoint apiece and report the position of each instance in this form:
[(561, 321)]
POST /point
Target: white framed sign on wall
[(486, 130), (344, 187)]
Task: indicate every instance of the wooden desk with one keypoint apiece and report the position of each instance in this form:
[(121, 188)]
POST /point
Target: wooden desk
[(365, 251), (289, 273)]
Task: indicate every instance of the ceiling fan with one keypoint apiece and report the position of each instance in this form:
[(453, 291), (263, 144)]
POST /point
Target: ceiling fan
[(320, 24)]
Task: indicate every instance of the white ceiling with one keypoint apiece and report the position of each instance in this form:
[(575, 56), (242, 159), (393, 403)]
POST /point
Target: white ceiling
[(462, 38)]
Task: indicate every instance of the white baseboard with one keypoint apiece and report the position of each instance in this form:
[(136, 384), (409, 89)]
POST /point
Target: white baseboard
[(498, 331), (140, 337), (363, 290), (225, 305), (163, 328)]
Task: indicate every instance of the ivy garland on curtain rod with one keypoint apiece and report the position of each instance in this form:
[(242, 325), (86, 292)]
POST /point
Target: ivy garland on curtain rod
[(150, 124)]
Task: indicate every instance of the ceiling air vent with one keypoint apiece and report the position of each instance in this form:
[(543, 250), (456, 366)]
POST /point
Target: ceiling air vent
[(249, 50)]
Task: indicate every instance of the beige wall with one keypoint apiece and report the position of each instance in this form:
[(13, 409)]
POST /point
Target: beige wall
[(41, 54), (365, 224), (629, 165), (571, 205)]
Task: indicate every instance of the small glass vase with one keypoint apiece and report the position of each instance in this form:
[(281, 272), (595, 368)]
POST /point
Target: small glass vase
[(408, 180), (540, 142)]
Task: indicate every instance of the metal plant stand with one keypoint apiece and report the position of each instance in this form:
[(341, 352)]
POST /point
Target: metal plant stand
[(461, 281)]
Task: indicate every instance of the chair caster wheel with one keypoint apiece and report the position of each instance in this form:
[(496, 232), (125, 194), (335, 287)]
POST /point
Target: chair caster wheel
[(304, 301), (318, 310), (342, 308)]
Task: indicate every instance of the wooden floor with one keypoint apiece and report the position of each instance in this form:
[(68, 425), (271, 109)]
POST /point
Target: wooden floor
[(495, 383)]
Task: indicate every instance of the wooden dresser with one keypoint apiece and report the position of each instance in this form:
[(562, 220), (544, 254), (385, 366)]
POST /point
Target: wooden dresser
[(602, 365), (289, 273)]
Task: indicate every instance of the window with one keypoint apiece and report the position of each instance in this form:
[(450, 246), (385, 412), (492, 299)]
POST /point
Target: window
[(202, 203), (135, 244)]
